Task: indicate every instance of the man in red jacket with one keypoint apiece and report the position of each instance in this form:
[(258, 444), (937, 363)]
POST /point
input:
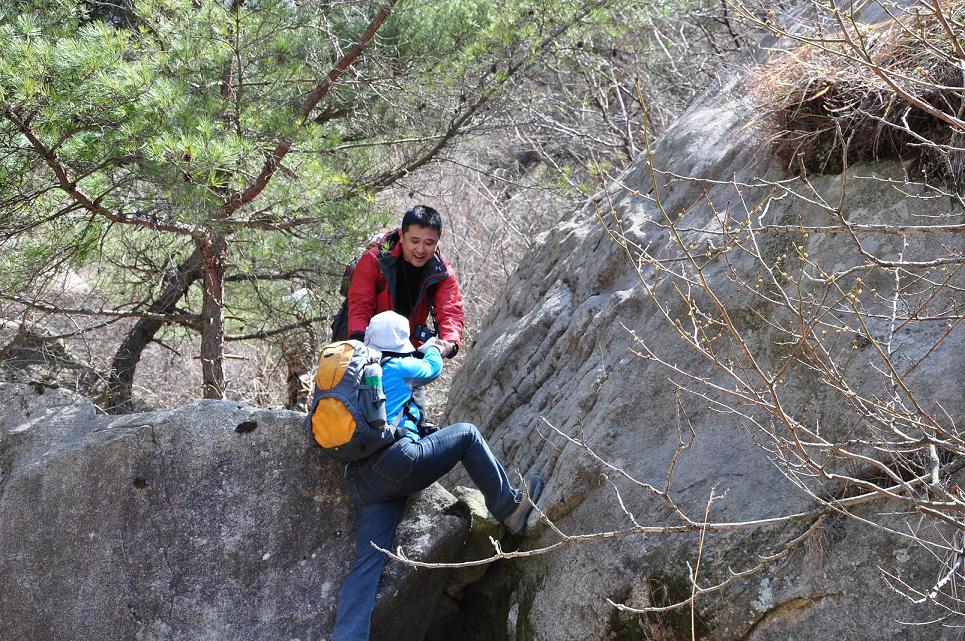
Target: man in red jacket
[(405, 273)]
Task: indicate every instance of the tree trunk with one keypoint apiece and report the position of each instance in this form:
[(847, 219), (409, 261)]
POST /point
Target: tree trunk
[(120, 380), (213, 250)]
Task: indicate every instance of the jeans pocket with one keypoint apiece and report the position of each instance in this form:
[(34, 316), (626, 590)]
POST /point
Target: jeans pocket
[(354, 491), (394, 464)]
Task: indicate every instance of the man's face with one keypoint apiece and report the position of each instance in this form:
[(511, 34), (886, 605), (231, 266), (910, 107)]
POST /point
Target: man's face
[(419, 244)]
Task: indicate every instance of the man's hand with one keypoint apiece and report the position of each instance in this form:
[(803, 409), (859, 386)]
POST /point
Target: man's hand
[(444, 347), (429, 344)]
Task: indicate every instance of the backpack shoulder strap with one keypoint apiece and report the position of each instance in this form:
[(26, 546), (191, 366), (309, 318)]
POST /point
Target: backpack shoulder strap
[(406, 413), (387, 242)]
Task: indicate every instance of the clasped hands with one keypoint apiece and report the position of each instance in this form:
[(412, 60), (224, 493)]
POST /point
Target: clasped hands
[(444, 346)]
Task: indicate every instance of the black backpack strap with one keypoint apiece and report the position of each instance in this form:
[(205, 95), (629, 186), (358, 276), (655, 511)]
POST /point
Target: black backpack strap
[(406, 413), (340, 323), (431, 295)]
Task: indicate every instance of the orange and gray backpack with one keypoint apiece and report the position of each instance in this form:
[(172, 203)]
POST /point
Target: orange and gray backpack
[(347, 411)]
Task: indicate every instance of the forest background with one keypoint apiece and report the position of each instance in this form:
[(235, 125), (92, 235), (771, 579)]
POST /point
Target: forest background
[(183, 181)]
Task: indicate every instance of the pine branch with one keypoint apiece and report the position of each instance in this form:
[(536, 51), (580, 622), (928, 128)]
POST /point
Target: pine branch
[(273, 162), (69, 185)]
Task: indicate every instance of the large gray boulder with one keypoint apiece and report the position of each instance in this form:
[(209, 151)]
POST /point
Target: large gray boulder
[(32, 354), (211, 521), (558, 349)]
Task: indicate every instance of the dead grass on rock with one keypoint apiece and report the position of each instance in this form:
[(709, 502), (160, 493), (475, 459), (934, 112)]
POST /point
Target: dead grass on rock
[(831, 103)]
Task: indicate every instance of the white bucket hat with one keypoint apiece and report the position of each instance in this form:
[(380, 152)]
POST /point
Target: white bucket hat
[(389, 332)]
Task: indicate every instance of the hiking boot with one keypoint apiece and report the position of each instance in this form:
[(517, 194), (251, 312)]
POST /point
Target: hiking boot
[(516, 522)]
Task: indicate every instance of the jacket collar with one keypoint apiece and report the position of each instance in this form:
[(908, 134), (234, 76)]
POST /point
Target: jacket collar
[(390, 253), (391, 247)]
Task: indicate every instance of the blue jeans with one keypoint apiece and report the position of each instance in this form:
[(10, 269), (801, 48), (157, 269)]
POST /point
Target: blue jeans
[(379, 486)]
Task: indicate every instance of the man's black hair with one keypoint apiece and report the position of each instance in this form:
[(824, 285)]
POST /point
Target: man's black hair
[(424, 216)]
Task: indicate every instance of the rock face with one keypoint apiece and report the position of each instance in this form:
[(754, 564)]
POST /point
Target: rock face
[(212, 521), (33, 356), (557, 349)]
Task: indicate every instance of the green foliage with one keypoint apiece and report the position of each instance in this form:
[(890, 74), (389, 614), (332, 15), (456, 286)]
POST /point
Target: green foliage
[(35, 257), (154, 117), (163, 112)]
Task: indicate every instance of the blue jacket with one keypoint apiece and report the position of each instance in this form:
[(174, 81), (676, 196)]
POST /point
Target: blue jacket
[(399, 377)]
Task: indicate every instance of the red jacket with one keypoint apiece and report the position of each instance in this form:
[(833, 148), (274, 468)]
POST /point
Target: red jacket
[(373, 290)]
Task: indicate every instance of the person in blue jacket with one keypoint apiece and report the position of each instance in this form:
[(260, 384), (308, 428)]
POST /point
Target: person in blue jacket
[(379, 485)]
